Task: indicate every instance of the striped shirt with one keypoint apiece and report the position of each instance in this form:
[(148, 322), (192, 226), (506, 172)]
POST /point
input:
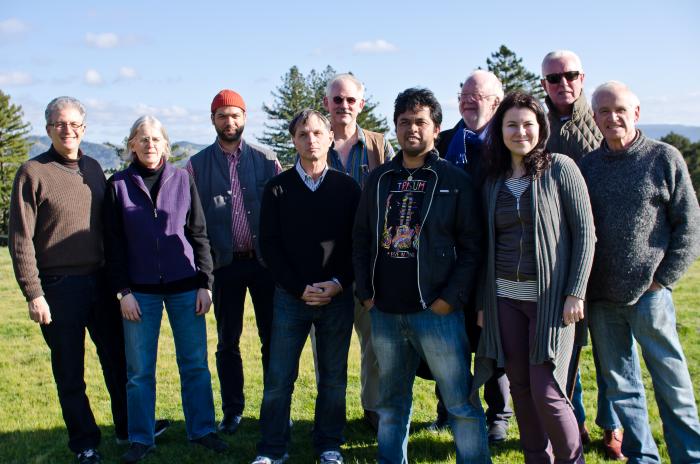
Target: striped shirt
[(521, 290), (308, 180), (358, 162)]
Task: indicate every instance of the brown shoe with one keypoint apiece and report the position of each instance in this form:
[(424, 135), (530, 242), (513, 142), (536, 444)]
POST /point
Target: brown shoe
[(612, 444), (585, 436)]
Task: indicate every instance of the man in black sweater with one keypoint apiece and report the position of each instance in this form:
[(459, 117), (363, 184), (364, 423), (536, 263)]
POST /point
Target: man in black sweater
[(306, 223)]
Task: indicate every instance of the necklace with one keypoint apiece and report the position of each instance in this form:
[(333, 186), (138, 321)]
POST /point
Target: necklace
[(410, 173)]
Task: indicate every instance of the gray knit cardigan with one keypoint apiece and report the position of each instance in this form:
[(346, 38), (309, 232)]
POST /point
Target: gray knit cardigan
[(564, 245)]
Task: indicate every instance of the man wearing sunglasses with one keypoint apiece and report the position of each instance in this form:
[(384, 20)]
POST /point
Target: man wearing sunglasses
[(574, 133), (356, 152)]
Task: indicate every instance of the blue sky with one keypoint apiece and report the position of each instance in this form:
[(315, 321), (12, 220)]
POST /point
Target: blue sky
[(125, 59)]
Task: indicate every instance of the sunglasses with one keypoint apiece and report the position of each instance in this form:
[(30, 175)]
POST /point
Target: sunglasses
[(556, 78), (339, 100)]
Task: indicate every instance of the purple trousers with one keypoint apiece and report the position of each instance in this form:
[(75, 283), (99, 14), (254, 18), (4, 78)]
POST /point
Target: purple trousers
[(545, 418)]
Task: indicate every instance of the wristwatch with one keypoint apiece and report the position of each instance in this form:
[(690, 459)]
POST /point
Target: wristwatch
[(122, 293)]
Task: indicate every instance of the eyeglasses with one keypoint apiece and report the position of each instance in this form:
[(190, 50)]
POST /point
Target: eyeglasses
[(556, 78), (472, 96), (339, 100), (147, 140), (65, 125)]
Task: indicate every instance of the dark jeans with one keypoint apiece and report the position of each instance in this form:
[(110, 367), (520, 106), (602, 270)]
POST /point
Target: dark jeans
[(77, 303), (291, 326), (230, 285), (544, 415)]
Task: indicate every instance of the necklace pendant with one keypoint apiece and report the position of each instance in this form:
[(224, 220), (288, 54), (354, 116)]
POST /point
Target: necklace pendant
[(410, 177)]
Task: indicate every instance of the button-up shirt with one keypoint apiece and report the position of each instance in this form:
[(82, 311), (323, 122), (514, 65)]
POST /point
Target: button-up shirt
[(358, 162), (308, 180)]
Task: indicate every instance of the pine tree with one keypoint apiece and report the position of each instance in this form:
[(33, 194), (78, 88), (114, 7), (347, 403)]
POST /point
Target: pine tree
[(691, 154), (14, 150), (298, 92), (510, 70)]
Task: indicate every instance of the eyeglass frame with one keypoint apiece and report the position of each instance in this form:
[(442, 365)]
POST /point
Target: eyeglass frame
[(475, 96), (62, 125)]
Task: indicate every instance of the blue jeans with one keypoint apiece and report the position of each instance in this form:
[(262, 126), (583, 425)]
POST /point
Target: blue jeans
[(141, 340), (399, 341), (291, 322), (606, 417), (651, 322)]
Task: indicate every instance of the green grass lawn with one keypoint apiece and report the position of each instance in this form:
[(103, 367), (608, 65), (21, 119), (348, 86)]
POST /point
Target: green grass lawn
[(32, 429)]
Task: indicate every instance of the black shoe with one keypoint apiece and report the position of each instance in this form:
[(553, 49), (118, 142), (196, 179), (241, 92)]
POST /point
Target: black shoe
[(161, 426), (497, 433), (230, 424), (211, 441), (89, 456), (372, 419), (136, 452)]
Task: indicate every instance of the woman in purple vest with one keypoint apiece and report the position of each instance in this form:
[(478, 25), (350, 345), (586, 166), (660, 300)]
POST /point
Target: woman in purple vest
[(158, 254)]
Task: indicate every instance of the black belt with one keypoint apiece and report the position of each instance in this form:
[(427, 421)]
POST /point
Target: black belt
[(242, 255)]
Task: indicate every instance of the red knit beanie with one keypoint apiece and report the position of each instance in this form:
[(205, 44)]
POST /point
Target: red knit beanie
[(227, 98)]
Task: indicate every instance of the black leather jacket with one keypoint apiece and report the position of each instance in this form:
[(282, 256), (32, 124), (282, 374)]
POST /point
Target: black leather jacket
[(449, 243)]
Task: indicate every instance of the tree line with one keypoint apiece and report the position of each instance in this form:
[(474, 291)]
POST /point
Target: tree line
[(296, 91)]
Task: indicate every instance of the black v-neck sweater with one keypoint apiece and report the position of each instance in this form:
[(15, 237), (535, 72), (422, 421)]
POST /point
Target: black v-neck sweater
[(305, 236)]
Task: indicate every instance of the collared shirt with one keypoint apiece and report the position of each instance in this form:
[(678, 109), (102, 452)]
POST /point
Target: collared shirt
[(240, 229), (358, 162), (308, 180)]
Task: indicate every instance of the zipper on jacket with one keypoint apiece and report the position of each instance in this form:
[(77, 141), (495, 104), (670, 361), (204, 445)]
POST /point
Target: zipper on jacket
[(430, 203), (376, 255), (520, 248)]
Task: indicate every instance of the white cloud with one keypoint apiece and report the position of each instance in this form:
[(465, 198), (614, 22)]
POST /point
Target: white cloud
[(374, 46), (671, 109), (12, 26), (92, 77), (15, 78), (103, 40), (125, 72)]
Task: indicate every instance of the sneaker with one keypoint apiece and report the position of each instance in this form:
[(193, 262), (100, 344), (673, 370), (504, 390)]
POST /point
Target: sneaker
[(211, 441), (267, 460), (497, 433), (136, 452), (161, 426), (89, 456), (330, 457)]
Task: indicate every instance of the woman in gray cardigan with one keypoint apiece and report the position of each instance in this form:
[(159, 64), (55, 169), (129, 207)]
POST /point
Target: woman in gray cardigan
[(540, 250)]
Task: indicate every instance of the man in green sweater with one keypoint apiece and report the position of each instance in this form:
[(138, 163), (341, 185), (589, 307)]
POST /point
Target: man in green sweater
[(647, 223), (55, 240)]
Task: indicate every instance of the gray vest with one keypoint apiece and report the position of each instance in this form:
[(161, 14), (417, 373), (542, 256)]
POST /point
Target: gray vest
[(211, 175)]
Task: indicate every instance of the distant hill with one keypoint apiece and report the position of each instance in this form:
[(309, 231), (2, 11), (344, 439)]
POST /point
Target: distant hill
[(656, 131), (104, 154)]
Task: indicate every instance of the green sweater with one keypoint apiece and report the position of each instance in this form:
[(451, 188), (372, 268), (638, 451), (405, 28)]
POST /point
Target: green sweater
[(646, 215), (574, 137), (564, 243)]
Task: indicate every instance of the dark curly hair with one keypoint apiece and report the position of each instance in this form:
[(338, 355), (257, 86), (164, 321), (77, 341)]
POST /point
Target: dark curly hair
[(498, 158), (413, 98)]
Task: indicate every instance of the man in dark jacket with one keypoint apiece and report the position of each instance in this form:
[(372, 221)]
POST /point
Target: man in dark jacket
[(480, 95), (230, 175), (416, 245)]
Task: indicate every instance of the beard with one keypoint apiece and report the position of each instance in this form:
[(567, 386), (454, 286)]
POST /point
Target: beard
[(230, 138)]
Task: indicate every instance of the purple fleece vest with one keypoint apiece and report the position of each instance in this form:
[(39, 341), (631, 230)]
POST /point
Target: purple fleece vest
[(158, 249)]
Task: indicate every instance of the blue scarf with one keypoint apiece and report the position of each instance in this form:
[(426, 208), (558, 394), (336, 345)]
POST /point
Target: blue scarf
[(464, 141)]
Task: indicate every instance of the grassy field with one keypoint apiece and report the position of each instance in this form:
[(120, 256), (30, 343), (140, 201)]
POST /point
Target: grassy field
[(32, 430)]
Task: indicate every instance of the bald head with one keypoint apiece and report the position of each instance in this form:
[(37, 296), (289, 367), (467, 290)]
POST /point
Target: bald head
[(616, 112), (481, 94)]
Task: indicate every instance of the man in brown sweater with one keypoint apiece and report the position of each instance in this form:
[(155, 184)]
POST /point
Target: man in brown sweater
[(55, 241)]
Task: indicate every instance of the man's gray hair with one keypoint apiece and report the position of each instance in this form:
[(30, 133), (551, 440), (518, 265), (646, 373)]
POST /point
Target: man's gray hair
[(303, 116), (345, 77), (146, 121), (495, 82), (559, 54), (59, 103), (613, 87)]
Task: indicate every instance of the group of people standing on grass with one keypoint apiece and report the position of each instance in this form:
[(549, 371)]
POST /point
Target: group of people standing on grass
[(510, 235)]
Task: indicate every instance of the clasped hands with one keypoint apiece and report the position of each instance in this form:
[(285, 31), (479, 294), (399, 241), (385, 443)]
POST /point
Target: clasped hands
[(320, 293)]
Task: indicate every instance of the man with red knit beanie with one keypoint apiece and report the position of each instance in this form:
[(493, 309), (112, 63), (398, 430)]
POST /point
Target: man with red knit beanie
[(230, 175)]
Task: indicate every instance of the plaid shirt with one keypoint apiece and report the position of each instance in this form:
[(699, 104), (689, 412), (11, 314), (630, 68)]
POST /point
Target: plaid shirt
[(358, 163)]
